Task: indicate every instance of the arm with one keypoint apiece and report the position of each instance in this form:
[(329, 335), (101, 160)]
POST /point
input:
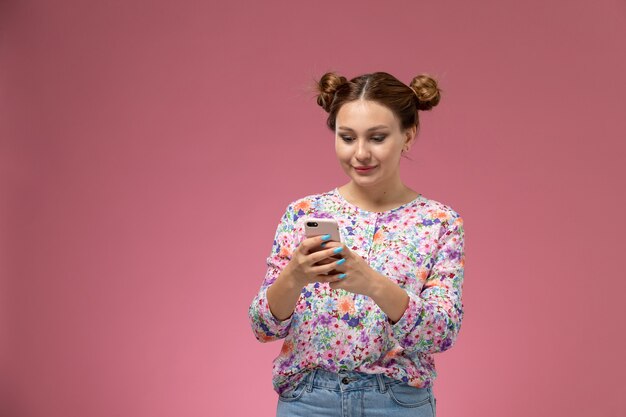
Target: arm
[(265, 325), (433, 318), (289, 270), (390, 297)]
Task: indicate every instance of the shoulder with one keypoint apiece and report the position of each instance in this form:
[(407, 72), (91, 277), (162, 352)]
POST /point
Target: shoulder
[(303, 203), (434, 211), (309, 205)]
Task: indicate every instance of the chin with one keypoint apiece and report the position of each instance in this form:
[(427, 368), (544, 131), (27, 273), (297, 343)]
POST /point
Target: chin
[(364, 182)]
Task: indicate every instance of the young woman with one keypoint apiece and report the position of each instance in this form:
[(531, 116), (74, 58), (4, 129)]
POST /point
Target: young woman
[(362, 317)]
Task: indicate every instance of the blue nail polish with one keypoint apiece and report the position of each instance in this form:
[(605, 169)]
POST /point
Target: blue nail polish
[(339, 249), (342, 276), (326, 237), (323, 244), (339, 262)]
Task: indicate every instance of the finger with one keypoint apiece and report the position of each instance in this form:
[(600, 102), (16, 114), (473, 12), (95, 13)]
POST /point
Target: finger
[(323, 269), (337, 281), (325, 245), (310, 243), (326, 253), (337, 260), (331, 279), (339, 266), (325, 261), (330, 244)]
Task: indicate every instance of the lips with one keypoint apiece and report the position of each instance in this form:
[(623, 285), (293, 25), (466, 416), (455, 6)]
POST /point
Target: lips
[(364, 169)]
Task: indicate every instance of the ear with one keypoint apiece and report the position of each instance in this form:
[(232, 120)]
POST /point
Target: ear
[(409, 136)]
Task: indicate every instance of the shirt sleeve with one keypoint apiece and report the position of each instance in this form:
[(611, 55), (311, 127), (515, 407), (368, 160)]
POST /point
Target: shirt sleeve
[(433, 318), (265, 326)]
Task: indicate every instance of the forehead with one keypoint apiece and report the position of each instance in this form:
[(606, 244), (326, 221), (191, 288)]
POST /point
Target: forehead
[(361, 114)]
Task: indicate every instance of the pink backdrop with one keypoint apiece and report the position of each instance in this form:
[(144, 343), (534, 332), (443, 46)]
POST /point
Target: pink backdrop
[(149, 148)]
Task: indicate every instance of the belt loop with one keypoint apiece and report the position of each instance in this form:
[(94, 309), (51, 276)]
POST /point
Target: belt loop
[(381, 383), (309, 384)]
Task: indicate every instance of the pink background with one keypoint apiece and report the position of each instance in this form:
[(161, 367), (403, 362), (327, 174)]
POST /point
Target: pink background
[(149, 148)]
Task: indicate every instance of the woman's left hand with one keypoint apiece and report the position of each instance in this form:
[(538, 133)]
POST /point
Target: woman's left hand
[(360, 278), (355, 274)]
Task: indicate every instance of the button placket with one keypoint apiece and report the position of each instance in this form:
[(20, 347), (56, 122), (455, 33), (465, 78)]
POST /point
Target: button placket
[(371, 230)]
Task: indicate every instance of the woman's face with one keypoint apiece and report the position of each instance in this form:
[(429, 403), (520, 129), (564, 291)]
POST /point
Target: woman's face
[(369, 143)]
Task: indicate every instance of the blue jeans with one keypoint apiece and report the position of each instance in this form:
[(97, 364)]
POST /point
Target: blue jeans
[(354, 394)]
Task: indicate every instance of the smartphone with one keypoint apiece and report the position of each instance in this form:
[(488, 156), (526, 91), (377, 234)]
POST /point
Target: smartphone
[(315, 227)]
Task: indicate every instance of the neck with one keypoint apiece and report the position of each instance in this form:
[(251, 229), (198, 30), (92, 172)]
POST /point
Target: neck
[(378, 198)]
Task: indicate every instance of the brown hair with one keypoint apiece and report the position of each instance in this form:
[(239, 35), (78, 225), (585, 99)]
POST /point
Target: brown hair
[(404, 101)]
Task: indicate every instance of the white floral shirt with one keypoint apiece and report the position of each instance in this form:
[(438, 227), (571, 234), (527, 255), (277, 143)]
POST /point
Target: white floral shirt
[(419, 245)]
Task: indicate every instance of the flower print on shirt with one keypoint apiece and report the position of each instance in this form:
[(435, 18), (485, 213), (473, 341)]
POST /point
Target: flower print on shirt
[(419, 245)]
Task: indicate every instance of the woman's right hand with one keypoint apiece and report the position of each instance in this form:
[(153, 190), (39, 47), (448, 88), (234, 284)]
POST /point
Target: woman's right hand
[(310, 262)]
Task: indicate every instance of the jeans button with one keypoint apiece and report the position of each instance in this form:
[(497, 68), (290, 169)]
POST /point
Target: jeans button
[(345, 380)]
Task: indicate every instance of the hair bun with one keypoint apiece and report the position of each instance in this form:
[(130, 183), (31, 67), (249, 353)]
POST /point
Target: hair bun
[(427, 94), (326, 87)]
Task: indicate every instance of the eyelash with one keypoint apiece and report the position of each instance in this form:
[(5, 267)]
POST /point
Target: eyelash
[(377, 139)]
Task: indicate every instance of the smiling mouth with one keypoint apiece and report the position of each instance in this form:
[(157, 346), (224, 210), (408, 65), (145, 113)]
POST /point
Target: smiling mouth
[(364, 169)]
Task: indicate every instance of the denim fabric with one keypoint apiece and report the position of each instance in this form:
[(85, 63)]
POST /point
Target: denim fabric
[(354, 394)]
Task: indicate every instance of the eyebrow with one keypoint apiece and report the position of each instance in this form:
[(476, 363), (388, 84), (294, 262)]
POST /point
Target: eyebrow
[(368, 130)]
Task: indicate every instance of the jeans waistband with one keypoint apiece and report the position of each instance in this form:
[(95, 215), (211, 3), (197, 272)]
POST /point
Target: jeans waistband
[(347, 381)]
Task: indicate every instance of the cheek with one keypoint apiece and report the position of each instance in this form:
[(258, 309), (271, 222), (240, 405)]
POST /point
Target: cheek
[(342, 153), (393, 153), (386, 155)]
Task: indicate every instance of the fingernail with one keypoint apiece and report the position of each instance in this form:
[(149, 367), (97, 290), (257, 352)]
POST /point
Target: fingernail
[(326, 237), (339, 249), (323, 244), (342, 276), (339, 262)]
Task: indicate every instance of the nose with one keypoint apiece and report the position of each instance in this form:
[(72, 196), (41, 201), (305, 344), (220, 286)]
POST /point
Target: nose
[(362, 152)]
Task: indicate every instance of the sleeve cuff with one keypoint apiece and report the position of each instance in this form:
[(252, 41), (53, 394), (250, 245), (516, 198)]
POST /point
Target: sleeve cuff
[(411, 318), (271, 326)]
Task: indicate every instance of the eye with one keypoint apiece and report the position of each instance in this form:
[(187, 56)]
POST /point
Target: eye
[(379, 138), (346, 138)]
